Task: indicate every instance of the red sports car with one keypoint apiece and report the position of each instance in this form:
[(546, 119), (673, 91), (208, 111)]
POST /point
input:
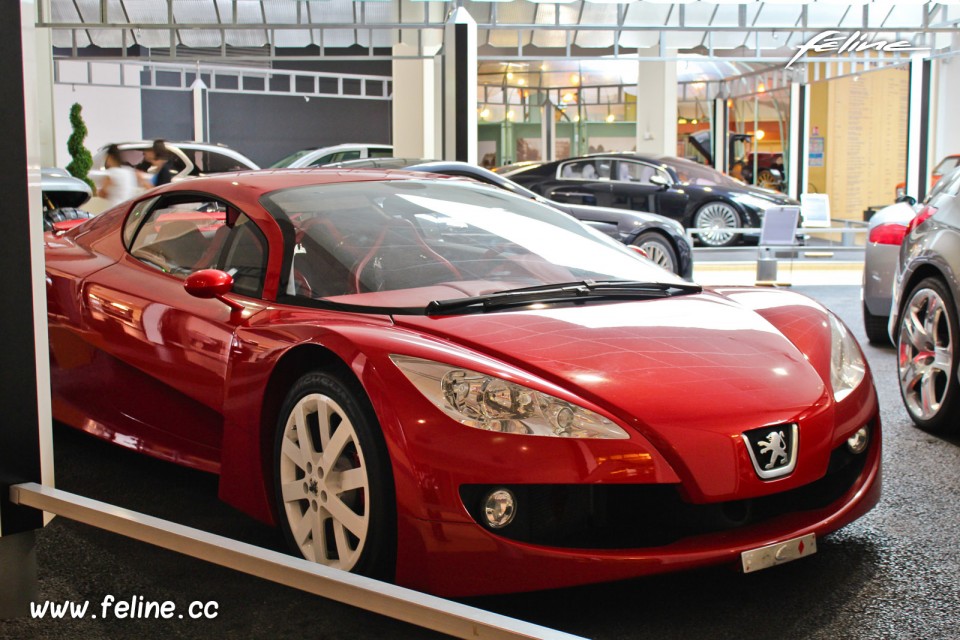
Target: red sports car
[(437, 382)]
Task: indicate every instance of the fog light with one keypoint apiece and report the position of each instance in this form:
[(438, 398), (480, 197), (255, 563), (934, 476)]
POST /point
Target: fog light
[(857, 443), (499, 507)]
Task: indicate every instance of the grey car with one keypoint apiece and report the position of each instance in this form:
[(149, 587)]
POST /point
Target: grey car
[(884, 234), (925, 311), (661, 239), (62, 196)]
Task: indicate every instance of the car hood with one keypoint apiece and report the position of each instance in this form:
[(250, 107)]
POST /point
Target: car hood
[(689, 373), (765, 194)]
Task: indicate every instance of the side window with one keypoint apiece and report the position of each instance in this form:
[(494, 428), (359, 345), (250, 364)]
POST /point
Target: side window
[(343, 156), (207, 162), (176, 163), (322, 160), (185, 236), (133, 221), (245, 257), (636, 172), (380, 152), (593, 169)]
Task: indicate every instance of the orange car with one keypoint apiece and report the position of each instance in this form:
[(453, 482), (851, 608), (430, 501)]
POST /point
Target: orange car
[(946, 165)]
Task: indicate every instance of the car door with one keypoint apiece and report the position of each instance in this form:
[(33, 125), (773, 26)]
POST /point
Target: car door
[(164, 355), (632, 188), (583, 181)]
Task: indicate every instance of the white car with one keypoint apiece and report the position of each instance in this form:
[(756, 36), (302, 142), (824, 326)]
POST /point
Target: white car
[(187, 159), (330, 155)]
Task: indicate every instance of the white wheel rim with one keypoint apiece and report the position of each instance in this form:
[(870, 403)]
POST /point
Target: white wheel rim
[(658, 254), (925, 354), (324, 485), (712, 220)]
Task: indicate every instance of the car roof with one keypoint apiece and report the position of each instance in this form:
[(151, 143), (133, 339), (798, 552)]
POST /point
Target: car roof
[(254, 184)]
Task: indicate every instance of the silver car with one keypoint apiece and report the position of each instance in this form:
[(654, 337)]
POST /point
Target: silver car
[(329, 155), (884, 235), (924, 311)]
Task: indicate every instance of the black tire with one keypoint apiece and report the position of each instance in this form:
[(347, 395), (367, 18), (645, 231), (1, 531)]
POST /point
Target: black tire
[(659, 250), (876, 328), (374, 505), (946, 418), (717, 209), (51, 216)]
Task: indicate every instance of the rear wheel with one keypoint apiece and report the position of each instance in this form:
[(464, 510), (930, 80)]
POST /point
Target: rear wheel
[(876, 328), (334, 488), (926, 356), (658, 249), (713, 221)]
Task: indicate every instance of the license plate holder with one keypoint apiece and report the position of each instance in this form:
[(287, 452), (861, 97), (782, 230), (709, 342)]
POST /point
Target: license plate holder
[(778, 553)]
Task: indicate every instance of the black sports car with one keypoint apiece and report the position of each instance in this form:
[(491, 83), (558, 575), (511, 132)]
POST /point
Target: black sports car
[(698, 197), (662, 240)]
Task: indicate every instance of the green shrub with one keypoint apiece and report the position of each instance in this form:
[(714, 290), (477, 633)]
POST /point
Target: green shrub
[(82, 160)]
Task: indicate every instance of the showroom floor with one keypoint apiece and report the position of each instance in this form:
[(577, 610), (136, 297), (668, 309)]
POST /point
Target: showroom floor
[(893, 574)]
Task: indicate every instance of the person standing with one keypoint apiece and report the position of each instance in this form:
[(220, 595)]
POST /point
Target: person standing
[(120, 184), (157, 156)]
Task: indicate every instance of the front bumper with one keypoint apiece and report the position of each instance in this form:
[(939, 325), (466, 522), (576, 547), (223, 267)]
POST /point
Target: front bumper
[(465, 559), (561, 548)]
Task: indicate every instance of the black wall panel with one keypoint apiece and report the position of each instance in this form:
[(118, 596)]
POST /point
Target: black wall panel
[(167, 114), (267, 128)]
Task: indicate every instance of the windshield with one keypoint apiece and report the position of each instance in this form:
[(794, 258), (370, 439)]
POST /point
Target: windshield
[(290, 159), (406, 243), (697, 174)]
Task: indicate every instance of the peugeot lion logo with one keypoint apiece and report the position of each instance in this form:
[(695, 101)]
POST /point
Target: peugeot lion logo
[(773, 450)]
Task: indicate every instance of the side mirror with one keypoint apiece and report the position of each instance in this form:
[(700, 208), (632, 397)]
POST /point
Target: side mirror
[(910, 200), (659, 180), (212, 283)]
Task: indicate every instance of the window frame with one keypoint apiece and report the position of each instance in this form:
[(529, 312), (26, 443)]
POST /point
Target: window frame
[(233, 213)]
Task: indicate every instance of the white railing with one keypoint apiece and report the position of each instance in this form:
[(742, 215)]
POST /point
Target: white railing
[(410, 606)]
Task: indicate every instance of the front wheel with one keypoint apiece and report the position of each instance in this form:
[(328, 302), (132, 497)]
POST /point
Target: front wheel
[(658, 250), (712, 221), (926, 355), (334, 488)]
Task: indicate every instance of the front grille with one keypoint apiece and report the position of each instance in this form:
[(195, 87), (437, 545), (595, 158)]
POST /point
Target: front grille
[(639, 516)]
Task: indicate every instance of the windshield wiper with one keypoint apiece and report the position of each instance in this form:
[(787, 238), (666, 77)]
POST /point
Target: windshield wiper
[(561, 292)]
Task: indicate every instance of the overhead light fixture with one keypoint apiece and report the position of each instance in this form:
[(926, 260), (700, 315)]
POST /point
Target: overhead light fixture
[(521, 81), (694, 121), (758, 134), (569, 97), (484, 113), (509, 75), (681, 121), (761, 88), (510, 115), (611, 117), (575, 79)]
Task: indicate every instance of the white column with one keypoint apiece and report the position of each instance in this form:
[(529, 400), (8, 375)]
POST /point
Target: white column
[(918, 128), (719, 130), (45, 109), (947, 84), (798, 160), (548, 131), (199, 90), (417, 114), (657, 107), (460, 87)]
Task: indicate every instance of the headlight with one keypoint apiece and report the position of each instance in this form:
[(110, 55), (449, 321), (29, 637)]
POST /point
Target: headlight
[(846, 361), (493, 404)]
